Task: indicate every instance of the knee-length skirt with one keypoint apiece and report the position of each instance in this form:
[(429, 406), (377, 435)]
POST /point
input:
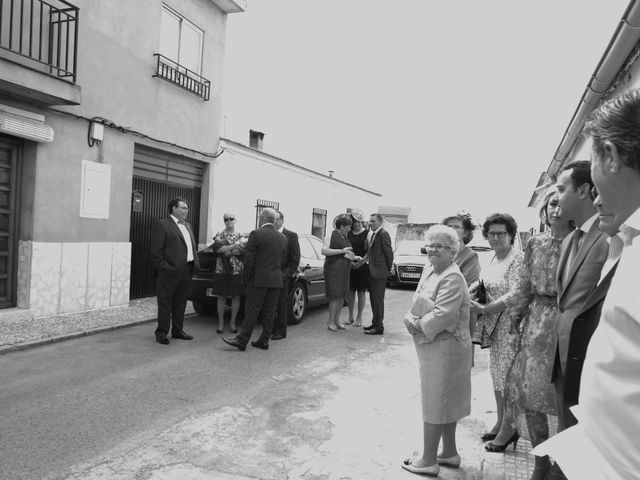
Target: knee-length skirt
[(445, 379)]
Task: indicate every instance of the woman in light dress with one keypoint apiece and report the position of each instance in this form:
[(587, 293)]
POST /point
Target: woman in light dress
[(501, 317), (439, 323)]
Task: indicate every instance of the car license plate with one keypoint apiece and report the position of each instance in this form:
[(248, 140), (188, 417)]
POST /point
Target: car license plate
[(210, 292), (411, 275)]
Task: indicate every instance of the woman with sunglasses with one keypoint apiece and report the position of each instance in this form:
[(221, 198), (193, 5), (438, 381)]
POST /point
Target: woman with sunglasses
[(229, 246), (500, 313)]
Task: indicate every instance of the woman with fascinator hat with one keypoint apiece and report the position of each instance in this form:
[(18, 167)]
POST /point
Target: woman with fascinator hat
[(359, 277), (338, 254)]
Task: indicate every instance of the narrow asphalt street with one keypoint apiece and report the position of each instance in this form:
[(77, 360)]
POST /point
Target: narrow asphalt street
[(318, 405)]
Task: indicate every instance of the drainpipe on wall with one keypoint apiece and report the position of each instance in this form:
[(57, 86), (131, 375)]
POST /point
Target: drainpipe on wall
[(624, 40)]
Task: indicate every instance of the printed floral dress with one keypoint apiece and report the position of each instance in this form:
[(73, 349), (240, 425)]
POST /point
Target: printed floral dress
[(528, 386), (228, 278), (502, 280)]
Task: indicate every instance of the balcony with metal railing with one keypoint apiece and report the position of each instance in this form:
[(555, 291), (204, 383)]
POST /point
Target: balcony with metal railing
[(175, 73), (39, 37)]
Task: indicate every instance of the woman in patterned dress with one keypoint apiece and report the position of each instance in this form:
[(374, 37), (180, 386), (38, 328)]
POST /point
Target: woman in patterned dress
[(529, 394), (338, 254), (502, 280), (229, 246)]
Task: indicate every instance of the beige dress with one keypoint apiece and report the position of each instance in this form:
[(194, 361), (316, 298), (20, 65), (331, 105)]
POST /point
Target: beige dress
[(443, 345)]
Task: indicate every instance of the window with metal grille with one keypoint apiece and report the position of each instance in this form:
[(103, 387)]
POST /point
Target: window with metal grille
[(261, 205), (319, 222)]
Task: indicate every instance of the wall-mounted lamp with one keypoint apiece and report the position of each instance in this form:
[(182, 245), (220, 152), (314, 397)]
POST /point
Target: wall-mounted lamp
[(95, 134)]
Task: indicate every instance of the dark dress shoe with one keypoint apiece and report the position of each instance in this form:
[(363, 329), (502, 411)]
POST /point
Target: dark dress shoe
[(261, 345), (370, 327), (162, 339), (182, 336), (278, 336), (234, 343), (374, 331)]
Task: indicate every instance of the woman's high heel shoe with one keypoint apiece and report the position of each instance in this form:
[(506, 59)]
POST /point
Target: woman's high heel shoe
[(340, 326), (332, 327), (493, 447)]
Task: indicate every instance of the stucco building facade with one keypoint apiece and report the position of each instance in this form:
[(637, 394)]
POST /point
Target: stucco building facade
[(120, 113)]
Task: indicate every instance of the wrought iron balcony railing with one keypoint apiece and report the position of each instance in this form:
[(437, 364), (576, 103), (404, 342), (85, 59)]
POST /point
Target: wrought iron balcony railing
[(183, 77), (43, 32)]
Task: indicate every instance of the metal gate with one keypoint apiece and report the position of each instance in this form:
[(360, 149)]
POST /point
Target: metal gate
[(9, 151), (158, 177)]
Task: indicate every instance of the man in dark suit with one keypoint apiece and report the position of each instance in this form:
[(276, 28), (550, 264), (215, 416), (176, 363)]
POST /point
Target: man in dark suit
[(380, 259), (174, 259), (262, 262), (290, 264), (582, 256)]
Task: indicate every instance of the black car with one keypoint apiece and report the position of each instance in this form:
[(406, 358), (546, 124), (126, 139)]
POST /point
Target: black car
[(305, 291)]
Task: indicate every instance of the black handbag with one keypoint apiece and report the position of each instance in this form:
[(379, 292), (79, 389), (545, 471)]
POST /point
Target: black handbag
[(480, 335)]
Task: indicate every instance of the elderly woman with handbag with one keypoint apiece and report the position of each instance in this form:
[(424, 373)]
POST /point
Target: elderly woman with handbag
[(501, 315), (439, 323)]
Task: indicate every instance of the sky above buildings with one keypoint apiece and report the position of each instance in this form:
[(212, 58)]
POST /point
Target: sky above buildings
[(438, 105)]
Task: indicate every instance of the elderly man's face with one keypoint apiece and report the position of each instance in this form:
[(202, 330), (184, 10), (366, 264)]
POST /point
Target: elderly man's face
[(374, 224), (279, 221)]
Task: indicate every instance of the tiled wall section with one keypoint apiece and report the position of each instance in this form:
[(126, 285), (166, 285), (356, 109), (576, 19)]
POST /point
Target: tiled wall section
[(56, 278)]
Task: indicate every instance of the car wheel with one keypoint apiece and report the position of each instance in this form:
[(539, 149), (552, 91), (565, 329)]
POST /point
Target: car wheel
[(297, 303), (202, 308)]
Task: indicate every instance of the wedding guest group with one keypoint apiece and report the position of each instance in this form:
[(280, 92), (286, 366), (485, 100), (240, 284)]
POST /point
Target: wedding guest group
[(264, 256), (604, 442)]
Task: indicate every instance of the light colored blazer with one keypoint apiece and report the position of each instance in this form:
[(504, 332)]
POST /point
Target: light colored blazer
[(449, 316), (582, 279)]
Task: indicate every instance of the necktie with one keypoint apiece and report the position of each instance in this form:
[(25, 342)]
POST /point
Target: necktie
[(573, 253), (575, 245)]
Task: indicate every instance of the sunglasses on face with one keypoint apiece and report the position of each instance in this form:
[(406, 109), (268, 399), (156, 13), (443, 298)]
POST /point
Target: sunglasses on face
[(229, 219)]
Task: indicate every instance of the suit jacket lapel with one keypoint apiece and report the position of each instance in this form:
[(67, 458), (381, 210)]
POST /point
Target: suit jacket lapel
[(601, 289), (176, 229)]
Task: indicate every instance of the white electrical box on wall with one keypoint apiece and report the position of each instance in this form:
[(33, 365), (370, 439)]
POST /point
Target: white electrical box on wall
[(96, 190)]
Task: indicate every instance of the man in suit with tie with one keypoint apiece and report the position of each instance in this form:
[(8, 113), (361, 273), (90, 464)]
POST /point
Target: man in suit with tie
[(262, 270), (582, 256), (290, 264), (175, 261), (380, 259)]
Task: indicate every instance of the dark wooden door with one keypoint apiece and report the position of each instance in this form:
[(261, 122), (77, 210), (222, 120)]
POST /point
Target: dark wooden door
[(9, 151)]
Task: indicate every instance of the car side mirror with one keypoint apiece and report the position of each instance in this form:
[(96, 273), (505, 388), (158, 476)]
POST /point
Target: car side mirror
[(423, 251)]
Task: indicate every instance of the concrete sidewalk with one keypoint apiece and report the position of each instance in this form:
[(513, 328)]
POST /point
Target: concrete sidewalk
[(20, 334)]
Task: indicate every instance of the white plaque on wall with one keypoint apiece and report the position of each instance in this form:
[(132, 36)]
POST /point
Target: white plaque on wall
[(96, 190)]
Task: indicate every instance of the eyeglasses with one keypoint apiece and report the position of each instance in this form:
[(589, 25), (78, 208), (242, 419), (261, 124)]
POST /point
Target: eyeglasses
[(229, 219), (438, 247), (499, 235)]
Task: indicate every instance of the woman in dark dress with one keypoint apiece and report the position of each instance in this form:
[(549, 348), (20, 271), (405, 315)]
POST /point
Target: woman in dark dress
[(359, 279), (337, 266)]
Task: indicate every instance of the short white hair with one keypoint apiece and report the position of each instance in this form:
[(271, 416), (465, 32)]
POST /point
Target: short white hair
[(453, 242)]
